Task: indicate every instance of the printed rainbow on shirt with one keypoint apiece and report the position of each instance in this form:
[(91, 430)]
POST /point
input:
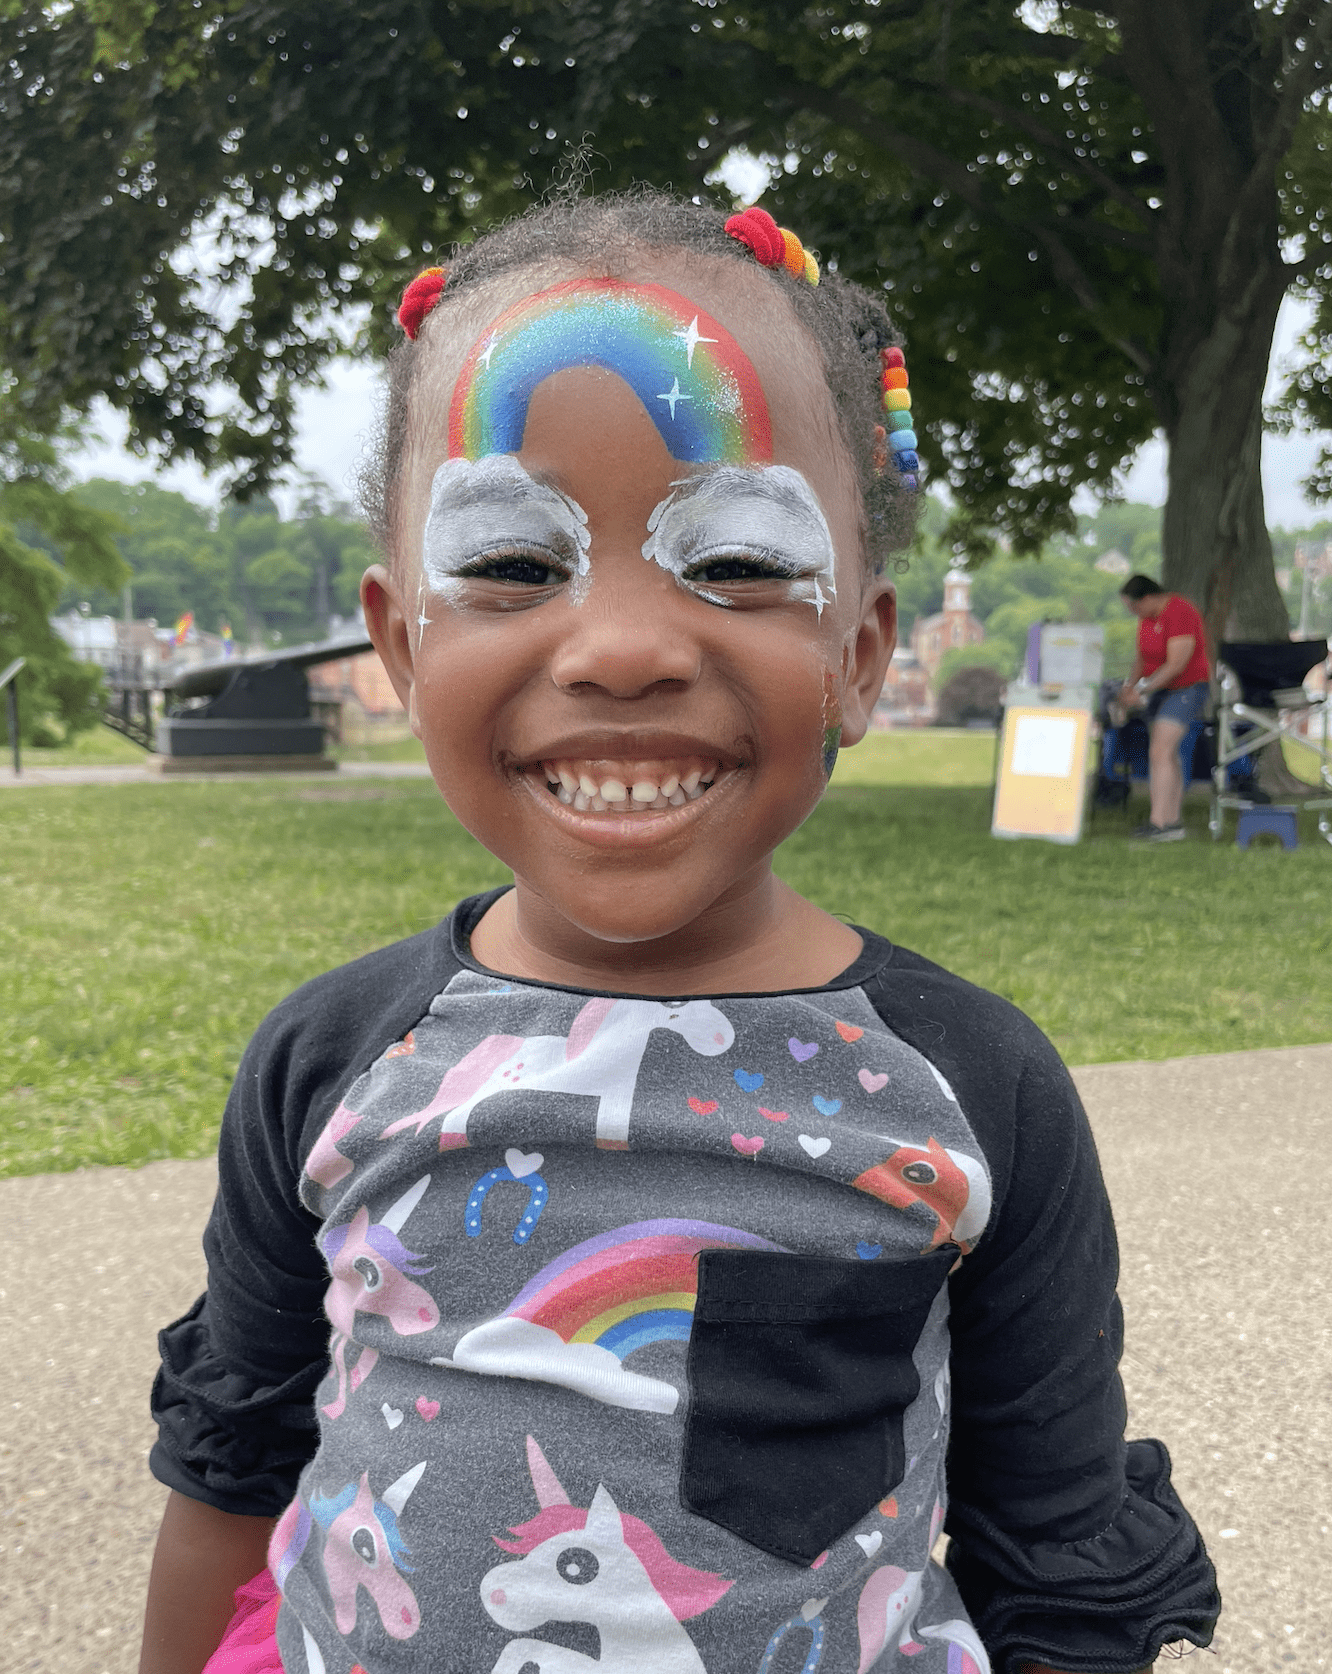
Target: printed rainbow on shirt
[(695, 381), (580, 1318)]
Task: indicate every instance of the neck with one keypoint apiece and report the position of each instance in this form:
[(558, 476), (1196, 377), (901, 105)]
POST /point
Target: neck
[(761, 937)]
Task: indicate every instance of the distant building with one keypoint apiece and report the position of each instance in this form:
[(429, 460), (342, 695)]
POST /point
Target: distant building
[(1113, 563), (948, 629), (361, 685), (134, 650), (906, 700)]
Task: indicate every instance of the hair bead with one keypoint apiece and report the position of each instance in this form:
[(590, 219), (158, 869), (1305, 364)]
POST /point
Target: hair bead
[(420, 297), (900, 421), (896, 401), (771, 245), (892, 357), (896, 378)]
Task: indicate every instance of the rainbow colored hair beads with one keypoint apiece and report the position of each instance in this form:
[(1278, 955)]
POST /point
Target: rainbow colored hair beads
[(897, 408), (692, 377)]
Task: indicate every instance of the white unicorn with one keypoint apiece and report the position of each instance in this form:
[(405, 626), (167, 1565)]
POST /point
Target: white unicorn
[(599, 1057), (598, 1567)]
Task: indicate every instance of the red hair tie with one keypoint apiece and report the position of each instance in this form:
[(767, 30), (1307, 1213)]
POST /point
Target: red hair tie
[(773, 246), (420, 297)]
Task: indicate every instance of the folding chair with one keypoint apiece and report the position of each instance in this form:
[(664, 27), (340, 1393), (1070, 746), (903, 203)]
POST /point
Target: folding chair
[(1123, 756), (1260, 700)]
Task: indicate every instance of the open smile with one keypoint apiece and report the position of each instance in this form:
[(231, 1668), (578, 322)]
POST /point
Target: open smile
[(628, 786)]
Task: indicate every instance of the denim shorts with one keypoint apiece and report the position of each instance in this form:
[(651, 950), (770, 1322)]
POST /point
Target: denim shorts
[(1182, 704)]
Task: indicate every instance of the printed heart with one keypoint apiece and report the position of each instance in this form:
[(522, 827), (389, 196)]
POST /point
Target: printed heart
[(802, 1050), (748, 1081), (820, 1561), (869, 1544), (775, 1115), (868, 1252), (814, 1147), (518, 1165), (849, 1032), (811, 1608), (746, 1147), (826, 1107), (888, 1507), (872, 1083), (429, 1410), (703, 1107), (392, 1415)]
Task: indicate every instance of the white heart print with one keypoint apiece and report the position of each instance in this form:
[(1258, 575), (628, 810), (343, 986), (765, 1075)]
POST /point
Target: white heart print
[(869, 1544), (815, 1147), (392, 1415), (518, 1165)]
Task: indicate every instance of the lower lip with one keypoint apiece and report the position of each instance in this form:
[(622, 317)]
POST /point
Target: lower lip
[(623, 831)]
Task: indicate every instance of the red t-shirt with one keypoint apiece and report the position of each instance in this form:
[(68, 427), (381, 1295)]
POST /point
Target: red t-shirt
[(1177, 619)]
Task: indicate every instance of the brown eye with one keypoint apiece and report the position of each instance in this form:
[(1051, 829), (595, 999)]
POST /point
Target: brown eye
[(920, 1173)]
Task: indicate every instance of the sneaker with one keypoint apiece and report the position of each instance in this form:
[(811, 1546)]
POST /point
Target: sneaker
[(1149, 833)]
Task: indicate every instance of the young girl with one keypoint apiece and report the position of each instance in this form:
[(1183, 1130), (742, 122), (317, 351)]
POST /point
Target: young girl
[(691, 1258)]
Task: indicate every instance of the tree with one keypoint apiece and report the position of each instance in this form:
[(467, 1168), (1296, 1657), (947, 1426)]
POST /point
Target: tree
[(41, 524), (1085, 219)]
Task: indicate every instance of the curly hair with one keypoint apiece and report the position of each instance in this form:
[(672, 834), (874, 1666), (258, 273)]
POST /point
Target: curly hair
[(847, 323)]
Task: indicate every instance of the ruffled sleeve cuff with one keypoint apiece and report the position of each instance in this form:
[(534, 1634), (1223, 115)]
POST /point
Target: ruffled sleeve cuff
[(225, 1438), (1103, 1605)]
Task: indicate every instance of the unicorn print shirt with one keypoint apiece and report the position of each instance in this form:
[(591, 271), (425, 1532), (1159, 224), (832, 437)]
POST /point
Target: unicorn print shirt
[(665, 1337)]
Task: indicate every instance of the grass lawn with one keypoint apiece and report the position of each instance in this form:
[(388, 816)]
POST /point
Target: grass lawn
[(146, 928)]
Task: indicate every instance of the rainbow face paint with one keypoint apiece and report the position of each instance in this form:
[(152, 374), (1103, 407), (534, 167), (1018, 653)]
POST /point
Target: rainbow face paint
[(769, 518), (694, 380)]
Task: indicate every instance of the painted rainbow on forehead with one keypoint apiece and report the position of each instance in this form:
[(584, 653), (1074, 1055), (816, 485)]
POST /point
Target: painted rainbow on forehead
[(693, 378)]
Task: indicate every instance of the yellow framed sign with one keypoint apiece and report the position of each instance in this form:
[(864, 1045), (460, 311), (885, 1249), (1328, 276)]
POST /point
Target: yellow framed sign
[(1041, 790)]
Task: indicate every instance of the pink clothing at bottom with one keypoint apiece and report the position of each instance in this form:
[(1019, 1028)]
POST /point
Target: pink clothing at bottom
[(249, 1646)]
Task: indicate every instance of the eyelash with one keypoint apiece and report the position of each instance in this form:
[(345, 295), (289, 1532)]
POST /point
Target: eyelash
[(492, 566), (747, 567)]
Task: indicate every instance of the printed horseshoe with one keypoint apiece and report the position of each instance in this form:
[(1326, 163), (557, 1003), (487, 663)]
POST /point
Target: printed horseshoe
[(815, 1657), (537, 1193)]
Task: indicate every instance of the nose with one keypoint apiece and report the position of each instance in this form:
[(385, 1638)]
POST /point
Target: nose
[(497, 1596), (628, 637)]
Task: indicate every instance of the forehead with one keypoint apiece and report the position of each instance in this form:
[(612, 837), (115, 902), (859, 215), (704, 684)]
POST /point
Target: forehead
[(713, 352)]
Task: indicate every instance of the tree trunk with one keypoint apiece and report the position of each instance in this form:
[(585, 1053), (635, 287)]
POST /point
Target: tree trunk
[(1217, 549)]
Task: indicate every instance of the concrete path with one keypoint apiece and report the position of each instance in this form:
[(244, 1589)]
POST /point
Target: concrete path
[(1220, 1169), (151, 774)]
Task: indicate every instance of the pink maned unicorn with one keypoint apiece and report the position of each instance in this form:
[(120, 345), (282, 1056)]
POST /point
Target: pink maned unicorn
[(370, 1270), (600, 1566)]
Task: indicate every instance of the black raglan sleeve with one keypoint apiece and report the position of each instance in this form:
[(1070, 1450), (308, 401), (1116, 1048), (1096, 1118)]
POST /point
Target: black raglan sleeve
[(1069, 1546), (234, 1398)]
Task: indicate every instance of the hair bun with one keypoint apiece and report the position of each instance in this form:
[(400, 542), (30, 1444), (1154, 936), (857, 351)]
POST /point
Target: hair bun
[(420, 297)]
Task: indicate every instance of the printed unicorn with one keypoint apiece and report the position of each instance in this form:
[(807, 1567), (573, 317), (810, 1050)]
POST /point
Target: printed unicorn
[(602, 1567), (599, 1057)]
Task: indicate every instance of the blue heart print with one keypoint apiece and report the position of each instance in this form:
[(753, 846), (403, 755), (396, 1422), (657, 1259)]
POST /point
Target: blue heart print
[(748, 1081), (868, 1252), (826, 1107)]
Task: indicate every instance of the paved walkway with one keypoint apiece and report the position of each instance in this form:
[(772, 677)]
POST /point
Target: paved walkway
[(153, 775), (1221, 1173)]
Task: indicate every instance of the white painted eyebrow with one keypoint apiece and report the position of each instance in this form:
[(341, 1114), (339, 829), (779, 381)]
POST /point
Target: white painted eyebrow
[(476, 504)]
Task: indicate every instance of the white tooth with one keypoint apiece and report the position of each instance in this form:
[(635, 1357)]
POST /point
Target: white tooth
[(694, 795), (568, 781), (677, 799), (597, 805), (669, 784), (644, 791), (587, 785), (689, 784), (661, 802), (581, 802), (564, 796), (614, 790)]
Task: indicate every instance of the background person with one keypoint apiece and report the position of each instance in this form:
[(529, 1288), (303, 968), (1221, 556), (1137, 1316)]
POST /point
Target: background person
[(1170, 675)]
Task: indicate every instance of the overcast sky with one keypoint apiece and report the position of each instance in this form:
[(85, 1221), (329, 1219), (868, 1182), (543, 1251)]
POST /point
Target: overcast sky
[(334, 422)]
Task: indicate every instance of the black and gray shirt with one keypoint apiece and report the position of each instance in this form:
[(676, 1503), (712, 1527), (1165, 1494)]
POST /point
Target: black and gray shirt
[(667, 1335)]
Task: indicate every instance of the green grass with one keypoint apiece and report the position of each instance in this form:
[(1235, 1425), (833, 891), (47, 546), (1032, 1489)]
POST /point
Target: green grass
[(97, 747), (145, 929)]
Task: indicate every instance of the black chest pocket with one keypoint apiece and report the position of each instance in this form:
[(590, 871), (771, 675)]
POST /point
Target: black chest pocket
[(800, 1369)]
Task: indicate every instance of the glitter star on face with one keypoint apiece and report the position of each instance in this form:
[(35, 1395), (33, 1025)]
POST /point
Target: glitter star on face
[(673, 395), (484, 357), (691, 338)]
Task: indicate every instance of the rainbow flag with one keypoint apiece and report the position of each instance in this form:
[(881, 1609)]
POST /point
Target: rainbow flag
[(228, 644), (183, 627)]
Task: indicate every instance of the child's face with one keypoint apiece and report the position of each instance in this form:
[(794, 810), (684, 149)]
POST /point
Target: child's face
[(631, 663)]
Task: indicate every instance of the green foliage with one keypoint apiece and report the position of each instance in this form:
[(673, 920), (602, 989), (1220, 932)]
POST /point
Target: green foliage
[(245, 565), (1016, 179), (990, 654), (124, 905), (48, 539)]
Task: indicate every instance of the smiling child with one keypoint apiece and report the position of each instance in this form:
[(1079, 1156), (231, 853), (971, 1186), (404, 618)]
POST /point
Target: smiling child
[(690, 1257)]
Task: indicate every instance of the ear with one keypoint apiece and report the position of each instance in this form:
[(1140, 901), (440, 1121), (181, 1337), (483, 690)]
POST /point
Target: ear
[(603, 1520), (870, 655), (390, 629)]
